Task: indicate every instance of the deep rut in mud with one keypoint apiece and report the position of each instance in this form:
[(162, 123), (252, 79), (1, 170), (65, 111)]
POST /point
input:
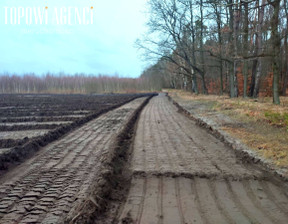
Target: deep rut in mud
[(182, 174), (53, 186)]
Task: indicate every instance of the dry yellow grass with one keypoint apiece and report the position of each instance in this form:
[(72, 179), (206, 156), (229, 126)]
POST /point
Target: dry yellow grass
[(270, 145), (264, 128), (253, 108)]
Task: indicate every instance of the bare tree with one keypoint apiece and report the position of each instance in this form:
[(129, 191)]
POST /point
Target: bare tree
[(259, 48), (172, 25), (276, 43), (214, 38), (201, 40), (245, 46), (285, 79)]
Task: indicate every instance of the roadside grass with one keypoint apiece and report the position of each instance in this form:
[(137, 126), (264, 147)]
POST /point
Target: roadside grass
[(260, 124)]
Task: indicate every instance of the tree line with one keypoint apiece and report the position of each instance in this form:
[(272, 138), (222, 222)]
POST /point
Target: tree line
[(193, 41), (74, 84)]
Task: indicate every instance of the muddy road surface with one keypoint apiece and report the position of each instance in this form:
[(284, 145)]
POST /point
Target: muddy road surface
[(182, 174), (173, 172), (53, 185)]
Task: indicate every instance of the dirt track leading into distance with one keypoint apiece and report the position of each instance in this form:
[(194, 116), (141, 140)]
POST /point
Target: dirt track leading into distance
[(182, 174), (179, 174)]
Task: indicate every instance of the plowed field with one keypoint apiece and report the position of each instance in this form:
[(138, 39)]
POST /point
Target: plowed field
[(61, 177)]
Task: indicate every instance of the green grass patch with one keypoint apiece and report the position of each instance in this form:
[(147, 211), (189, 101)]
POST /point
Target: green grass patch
[(277, 118)]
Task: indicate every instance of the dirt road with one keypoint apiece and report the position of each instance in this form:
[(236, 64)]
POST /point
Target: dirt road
[(56, 182), (182, 174)]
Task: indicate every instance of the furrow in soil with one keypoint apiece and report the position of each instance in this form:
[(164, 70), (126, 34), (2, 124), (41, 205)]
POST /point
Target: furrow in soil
[(45, 188)]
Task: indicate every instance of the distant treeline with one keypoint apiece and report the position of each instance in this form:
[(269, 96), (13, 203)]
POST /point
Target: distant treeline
[(78, 83)]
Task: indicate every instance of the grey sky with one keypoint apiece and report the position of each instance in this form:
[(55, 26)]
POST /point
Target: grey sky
[(105, 47)]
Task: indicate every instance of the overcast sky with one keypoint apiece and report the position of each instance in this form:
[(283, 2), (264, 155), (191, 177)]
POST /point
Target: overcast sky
[(106, 46)]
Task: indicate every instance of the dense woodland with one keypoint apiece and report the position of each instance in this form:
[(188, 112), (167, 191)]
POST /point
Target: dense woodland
[(219, 46)]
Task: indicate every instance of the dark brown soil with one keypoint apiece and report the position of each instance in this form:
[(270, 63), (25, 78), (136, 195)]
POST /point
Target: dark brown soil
[(9, 143), (14, 105), (165, 170), (41, 105), (29, 127), (71, 179), (116, 175)]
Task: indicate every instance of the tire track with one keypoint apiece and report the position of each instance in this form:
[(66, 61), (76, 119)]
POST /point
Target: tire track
[(257, 202), (140, 163), (280, 198), (188, 176), (180, 165), (211, 162), (208, 205), (85, 176), (179, 201), (166, 153), (221, 207), (224, 160), (151, 155), (64, 173), (37, 174), (189, 200), (265, 198), (246, 203), (180, 135), (231, 204), (160, 200)]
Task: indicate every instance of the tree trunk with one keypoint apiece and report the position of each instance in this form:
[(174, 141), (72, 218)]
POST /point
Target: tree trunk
[(275, 37), (230, 69), (204, 89), (285, 83), (219, 22), (227, 67), (194, 78), (285, 80), (252, 84), (245, 47), (221, 78), (233, 25), (236, 14), (259, 46), (257, 78), (235, 81), (194, 82)]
